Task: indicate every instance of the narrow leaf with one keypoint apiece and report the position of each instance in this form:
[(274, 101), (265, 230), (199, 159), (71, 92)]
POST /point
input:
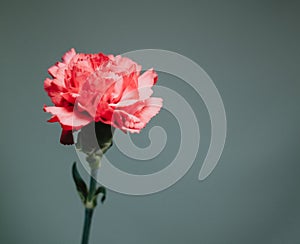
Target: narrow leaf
[(102, 190), (80, 184)]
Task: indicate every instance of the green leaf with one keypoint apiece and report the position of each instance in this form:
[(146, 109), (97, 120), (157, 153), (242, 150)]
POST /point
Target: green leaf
[(80, 184), (102, 190)]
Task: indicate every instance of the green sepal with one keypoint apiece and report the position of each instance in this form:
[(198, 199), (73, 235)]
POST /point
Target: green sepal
[(80, 184)]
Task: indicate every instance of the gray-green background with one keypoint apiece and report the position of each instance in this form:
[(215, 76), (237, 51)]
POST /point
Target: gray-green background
[(251, 51)]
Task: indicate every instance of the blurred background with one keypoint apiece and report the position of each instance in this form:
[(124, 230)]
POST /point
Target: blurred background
[(251, 51)]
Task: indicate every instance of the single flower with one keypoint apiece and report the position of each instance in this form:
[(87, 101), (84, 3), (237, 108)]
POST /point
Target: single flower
[(89, 88)]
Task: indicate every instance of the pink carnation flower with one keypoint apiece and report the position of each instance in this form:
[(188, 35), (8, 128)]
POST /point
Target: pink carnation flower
[(95, 87)]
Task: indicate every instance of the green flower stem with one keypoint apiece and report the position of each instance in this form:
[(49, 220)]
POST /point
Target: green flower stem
[(93, 184), (89, 208), (87, 225)]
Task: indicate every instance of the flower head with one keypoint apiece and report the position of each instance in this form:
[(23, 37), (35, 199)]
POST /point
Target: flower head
[(89, 88)]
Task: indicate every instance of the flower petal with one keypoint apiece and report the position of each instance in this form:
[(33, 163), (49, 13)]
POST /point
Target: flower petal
[(66, 58), (66, 137), (68, 118), (148, 78), (135, 116)]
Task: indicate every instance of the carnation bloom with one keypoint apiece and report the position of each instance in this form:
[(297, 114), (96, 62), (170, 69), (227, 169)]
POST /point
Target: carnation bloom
[(95, 87)]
